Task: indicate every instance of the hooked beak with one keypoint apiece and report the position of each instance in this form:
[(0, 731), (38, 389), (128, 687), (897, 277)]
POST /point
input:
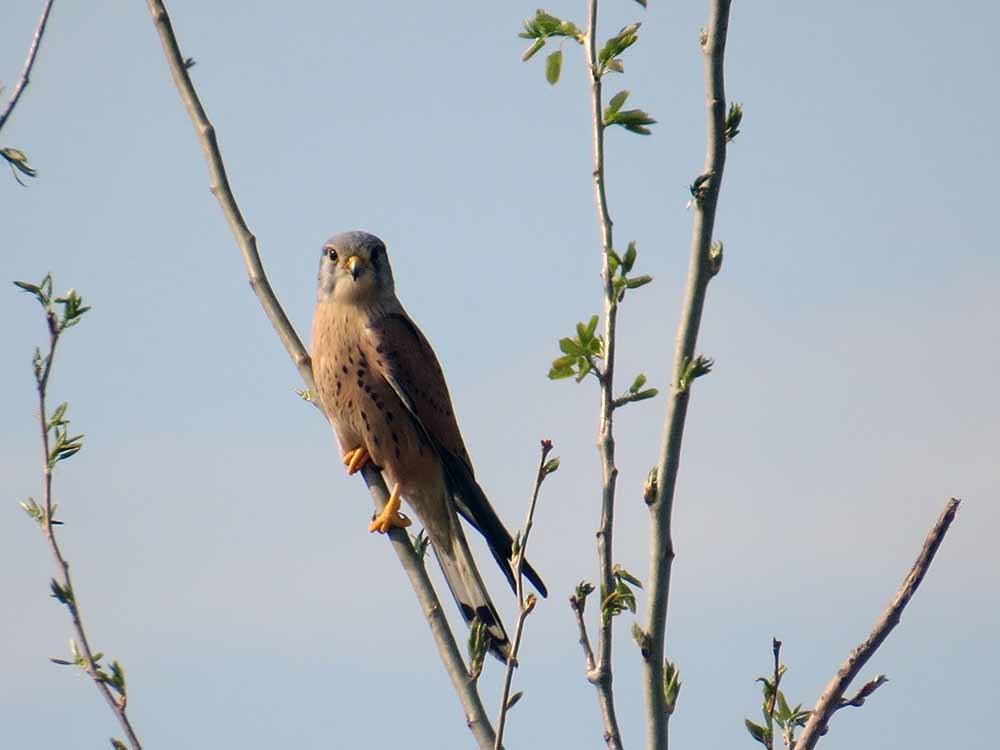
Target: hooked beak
[(355, 265)]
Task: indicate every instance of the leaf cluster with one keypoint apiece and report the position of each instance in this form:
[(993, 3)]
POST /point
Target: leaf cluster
[(620, 598), (633, 120), (63, 445), (72, 303), (692, 370), (113, 676), (619, 267), (478, 645), (545, 26), (579, 353), (18, 161), (733, 120), (776, 709)]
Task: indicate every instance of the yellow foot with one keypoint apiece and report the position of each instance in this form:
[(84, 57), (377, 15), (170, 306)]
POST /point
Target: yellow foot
[(355, 459), (390, 515)]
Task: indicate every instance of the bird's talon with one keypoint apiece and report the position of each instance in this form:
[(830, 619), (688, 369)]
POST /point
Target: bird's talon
[(390, 517), (354, 460)]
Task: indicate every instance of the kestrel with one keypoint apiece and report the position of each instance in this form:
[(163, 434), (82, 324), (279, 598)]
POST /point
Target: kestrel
[(384, 392)]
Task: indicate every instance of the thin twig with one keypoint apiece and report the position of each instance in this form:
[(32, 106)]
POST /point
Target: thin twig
[(700, 271), (600, 674), (85, 654), (29, 63), (588, 652), (524, 605), (832, 697), (475, 714)]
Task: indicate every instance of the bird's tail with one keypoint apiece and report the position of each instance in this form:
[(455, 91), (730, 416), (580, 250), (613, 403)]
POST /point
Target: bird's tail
[(467, 587)]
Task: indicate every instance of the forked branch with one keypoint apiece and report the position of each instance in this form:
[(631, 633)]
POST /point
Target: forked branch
[(832, 698)]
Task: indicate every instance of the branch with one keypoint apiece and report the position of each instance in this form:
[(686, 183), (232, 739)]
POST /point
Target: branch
[(704, 263), (29, 63), (219, 183), (832, 698), (525, 605), (111, 687), (599, 672)]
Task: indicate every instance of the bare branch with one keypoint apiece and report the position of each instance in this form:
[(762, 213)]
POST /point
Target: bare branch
[(524, 605), (832, 698), (703, 265), (447, 648), (29, 63)]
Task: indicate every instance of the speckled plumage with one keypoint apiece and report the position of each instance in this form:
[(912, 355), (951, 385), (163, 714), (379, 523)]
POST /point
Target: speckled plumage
[(382, 388)]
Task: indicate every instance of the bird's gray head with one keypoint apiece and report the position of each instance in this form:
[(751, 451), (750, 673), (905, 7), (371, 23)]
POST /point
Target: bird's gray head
[(354, 268)]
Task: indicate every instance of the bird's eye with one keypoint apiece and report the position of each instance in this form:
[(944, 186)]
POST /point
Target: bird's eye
[(331, 254), (377, 255)]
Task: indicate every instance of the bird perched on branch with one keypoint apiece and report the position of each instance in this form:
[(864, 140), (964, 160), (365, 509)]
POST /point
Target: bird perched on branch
[(384, 392)]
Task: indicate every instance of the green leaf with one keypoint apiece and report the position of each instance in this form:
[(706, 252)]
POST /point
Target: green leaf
[(614, 104), (623, 575), (570, 346), (756, 731), (638, 281), (646, 394), (118, 744), (619, 43), (559, 373), (639, 382), (553, 66), (633, 120), (535, 46), (616, 65), (628, 259), (512, 701), (551, 466), (591, 326)]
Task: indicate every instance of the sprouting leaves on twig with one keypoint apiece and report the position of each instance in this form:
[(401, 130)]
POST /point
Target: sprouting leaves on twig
[(622, 597), (619, 266), (18, 161), (478, 645), (671, 685), (715, 252), (733, 120), (776, 709), (616, 45), (420, 543), (579, 353), (692, 370), (699, 188), (543, 27), (633, 120)]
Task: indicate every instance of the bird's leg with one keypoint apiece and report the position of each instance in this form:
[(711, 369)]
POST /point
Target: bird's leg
[(390, 515), (355, 459)]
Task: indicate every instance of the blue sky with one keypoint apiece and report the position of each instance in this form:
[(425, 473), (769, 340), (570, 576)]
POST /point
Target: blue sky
[(219, 551)]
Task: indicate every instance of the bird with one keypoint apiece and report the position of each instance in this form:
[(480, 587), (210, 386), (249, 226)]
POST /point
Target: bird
[(384, 392)]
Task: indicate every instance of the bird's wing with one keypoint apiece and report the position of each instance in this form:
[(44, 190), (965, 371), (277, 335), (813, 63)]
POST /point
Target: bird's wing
[(402, 355)]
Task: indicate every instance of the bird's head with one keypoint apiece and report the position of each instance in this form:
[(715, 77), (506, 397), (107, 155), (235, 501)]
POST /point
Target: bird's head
[(354, 268)]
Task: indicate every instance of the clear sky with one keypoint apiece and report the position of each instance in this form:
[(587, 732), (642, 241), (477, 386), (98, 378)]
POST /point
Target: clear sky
[(219, 551)]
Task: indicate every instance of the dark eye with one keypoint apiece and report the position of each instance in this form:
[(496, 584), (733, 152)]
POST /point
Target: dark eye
[(331, 254), (376, 255)]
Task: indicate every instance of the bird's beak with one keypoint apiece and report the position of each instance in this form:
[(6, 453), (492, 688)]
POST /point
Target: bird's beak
[(355, 265)]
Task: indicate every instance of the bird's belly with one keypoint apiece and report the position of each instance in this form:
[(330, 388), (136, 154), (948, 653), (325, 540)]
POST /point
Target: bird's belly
[(366, 411)]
